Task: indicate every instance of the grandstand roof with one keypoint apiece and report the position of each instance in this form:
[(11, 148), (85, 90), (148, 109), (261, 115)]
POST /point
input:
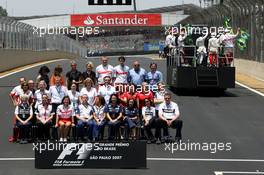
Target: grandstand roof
[(187, 8)]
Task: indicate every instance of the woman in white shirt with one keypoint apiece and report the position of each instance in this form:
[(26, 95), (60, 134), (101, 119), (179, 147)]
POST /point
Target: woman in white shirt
[(64, 118), (38, 96), (44, 117), (89, 90), (74, 97)]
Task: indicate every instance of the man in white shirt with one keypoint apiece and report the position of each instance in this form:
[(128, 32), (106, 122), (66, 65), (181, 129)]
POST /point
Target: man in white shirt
[(85, 118), (213, 45), (56, 93), (107, 89), (169, 117), (180, 40), (121, 71), (104, 70), (201, 51)]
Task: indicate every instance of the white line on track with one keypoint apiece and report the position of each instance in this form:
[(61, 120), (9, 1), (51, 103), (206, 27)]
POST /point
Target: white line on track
[(159, 159), (253, 90), (236, 172), (29, 67)]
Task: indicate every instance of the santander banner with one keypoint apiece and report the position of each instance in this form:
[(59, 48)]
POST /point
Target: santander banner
[(128, 19)]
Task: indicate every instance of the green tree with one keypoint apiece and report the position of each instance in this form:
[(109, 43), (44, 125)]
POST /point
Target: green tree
[(3, 11)]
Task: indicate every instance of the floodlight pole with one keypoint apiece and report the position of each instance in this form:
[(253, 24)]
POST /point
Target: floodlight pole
[(135, 5)]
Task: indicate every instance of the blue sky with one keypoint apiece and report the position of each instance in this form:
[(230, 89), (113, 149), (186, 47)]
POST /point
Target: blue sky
[(49, 7)]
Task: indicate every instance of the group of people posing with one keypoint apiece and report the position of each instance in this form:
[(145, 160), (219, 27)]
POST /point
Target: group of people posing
[(130, 102), (212, 46)]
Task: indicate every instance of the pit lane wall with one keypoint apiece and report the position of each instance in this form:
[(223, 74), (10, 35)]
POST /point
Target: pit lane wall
[(251, 68), (10, 58)]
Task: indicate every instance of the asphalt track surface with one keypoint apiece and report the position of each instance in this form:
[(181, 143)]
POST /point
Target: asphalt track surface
[(235, 117)]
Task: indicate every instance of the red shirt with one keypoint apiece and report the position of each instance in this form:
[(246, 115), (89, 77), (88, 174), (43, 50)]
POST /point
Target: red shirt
[(141, 96), (127, 96)]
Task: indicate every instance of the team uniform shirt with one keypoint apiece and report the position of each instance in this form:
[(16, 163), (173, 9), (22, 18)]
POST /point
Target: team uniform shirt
[(128, 96), (168, 111), (103, 71), (181, 40), (74, 100), (130, 112), (200, 44), (106, 92), (24, 111), (16, 90), (114, 111), (213, 45), (154, 78), (44, 112), (92, 93), (38, 96), (137, 77), (28, 94), (121, 74), (170, 40), (65, 113), (159, 96), (57, 93), (86, 111), (99, 112), (148, 112), (142, 98)]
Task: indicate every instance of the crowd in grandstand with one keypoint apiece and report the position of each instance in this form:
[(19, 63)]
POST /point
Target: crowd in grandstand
[(131, 102)]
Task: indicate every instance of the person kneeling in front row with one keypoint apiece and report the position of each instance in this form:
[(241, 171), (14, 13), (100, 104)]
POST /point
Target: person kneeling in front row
[(169, 117)]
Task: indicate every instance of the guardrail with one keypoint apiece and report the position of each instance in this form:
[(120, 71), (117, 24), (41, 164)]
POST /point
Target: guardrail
[(17, 35)]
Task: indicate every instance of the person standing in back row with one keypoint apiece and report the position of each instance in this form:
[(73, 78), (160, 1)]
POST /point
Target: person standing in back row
[(121, 72), (104, 70), (137, 75), (73, 76)]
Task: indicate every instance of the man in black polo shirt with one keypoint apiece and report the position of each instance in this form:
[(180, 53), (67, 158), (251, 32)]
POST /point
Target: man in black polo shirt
[(73, 76)]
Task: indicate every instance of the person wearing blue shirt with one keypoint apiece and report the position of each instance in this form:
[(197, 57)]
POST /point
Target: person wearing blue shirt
[(131, 116), (114, 114), (154, 76), (137, 75)]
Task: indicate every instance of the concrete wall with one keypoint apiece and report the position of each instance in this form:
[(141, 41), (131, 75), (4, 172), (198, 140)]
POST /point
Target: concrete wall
[(250, 68), (10, 59)]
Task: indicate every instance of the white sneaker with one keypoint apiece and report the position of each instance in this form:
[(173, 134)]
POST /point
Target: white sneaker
[(65, 139), (61, 139)]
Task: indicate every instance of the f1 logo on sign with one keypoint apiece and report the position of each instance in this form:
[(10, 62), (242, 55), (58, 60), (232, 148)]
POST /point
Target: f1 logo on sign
[(110, 2), (54, 155)]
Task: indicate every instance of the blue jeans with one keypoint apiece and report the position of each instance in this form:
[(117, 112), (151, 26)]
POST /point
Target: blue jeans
[(80, 128), (98, 129)]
